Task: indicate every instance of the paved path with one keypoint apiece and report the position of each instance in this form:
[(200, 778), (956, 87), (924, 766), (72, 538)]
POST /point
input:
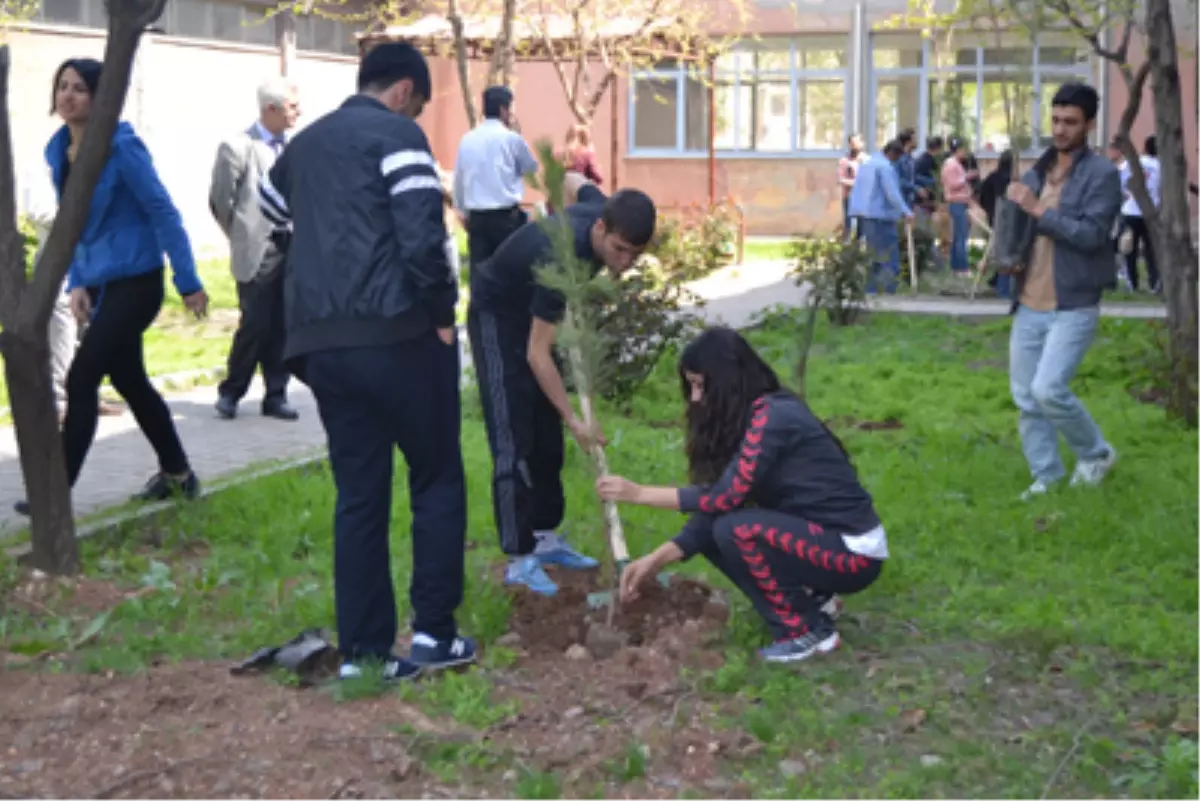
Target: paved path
[(121, 460)]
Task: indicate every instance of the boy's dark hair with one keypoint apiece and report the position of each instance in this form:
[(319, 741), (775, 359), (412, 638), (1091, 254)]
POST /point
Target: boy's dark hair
[(934, 143), (495, 100), (391, 62), (893, 148), (631, 215), (906, 136), (1151, 146), (1079, 95)]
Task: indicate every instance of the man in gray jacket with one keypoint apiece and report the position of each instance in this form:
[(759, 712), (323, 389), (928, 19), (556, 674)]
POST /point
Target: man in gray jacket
[(1071, 196), (256, 252)]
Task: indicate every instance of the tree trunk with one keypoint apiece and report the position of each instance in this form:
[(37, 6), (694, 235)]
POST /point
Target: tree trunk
[(501, 67), (27, 371), (462, 61), (1172, 232)]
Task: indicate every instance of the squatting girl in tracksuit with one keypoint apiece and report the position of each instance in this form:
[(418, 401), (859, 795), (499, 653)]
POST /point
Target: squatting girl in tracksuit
[(776, 506)]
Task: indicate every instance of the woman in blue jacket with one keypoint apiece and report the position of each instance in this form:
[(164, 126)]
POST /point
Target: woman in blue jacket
[(775, 502), (116, 284)]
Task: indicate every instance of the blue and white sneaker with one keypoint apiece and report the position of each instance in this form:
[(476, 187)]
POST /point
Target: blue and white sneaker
[(431, 654), (552, 549), (394, 669), (528, 570), (816, 641)]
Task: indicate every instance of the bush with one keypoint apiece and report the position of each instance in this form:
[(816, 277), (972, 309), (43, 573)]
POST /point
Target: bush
[(837, 272), (698, 242), (30, 231), (925, 245), (646, 322)]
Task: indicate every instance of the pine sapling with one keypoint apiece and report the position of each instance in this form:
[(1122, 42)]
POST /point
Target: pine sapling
[(579, 332)]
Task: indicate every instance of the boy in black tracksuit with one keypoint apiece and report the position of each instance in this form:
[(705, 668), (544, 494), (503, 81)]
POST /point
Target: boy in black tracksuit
[(512, 326), (369, 308)]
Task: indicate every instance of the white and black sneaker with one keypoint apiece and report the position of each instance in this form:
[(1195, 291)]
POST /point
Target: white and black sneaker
[(433, 654), (394, 669), (820, 640), (1090, 472)]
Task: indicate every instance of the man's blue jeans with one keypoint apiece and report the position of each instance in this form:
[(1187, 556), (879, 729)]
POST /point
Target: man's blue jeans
[(959, 261), (883, 237), (1045, 351)]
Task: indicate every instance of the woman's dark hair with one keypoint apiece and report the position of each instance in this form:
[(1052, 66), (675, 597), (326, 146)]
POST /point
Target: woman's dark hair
[(735, 376), (1004, 165), (89, 70)]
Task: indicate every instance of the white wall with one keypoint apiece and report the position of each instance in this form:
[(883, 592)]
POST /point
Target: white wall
[(184, 97)]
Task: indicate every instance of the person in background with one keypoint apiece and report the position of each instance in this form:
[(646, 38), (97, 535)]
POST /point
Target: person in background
[(513, 324), (1120, 232), (257, 251), (992, 188), (370, 328), (1135, 219), (580, 155), (876, 202), (116, 285), (925, 173), (64, 340), (489, 175), (906, 165), (847, 170), (956, 191), (1074, 195), (775, 503)]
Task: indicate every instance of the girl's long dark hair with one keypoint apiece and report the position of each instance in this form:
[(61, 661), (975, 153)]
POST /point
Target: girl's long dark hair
[(735, 376)]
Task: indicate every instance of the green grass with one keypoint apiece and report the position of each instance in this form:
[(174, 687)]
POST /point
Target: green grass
[(1009, 649), (177, 342)]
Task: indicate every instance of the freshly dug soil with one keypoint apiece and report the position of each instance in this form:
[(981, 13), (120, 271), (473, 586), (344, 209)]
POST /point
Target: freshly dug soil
[(555, 624)]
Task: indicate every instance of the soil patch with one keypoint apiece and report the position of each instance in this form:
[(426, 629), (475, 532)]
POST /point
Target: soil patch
[(887, 424), (1151, 395), (554, 625)]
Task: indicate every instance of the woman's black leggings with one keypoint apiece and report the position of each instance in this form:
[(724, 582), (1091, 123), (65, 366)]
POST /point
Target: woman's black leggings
[(112, 346), (779, 561)]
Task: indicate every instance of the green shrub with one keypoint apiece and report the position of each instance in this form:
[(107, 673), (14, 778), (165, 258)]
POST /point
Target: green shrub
[(837, 273), (698, 242)]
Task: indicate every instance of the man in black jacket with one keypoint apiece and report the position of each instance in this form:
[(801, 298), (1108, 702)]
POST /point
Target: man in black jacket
[(370, 299)]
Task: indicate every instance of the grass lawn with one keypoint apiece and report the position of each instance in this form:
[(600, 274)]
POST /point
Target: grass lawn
[(178, 342), (1009, 649)]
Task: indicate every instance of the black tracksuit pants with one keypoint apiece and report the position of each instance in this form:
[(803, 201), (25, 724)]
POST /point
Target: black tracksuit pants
[(524, 430), (112, 346), (371, 401), (784, 565), (486, 230), (1141, 236), (259, 340)]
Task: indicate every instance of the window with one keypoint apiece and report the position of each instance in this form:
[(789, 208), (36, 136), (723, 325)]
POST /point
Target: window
[(189, 18), (227, 22), (960, 88), (85, 13), (770, 96)]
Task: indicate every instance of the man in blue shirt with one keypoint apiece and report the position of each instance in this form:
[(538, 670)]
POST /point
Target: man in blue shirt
[(906, 166), (877, 200)]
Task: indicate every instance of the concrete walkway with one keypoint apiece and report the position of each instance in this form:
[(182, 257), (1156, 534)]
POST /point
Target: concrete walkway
[(121, 460)]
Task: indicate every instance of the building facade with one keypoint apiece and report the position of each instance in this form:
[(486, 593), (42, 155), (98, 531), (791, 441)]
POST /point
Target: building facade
[(802, 78)]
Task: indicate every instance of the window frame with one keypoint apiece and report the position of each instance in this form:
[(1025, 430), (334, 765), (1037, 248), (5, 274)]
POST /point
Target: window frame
[(794, 76), (928, 74)]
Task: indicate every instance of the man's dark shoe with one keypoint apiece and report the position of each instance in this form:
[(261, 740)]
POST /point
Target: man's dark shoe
[(21, 508), (226, 408), (280, 411), (161, 487), (431, 654)]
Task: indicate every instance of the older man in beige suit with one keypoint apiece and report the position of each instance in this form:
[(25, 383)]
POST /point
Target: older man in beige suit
[(257, 252)]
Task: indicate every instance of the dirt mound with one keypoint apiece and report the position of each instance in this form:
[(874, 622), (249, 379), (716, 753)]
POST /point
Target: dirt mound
[(554, 625)]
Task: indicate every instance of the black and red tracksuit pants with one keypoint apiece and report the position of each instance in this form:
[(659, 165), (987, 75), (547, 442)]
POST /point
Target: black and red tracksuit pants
[(784, 564)]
